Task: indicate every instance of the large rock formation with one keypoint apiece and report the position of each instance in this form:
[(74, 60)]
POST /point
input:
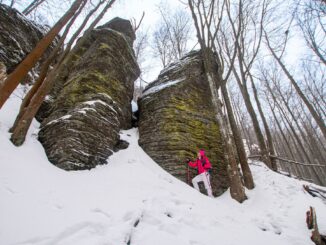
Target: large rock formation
[(18, 36), (91, 102), (177, 119)]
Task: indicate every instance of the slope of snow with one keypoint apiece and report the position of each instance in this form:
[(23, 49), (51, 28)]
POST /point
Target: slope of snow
[(131, 200)]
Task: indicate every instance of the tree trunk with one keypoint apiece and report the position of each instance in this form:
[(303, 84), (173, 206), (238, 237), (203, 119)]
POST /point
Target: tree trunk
[(28, 113), (66, 56), (40, 79), (244, 130), (259, 135), (288, 146), (313, 112), (22, 69), (317, 178), (33, 5), (267, 130), (248, 180), (317, 138), (303, 136), (236, 187)]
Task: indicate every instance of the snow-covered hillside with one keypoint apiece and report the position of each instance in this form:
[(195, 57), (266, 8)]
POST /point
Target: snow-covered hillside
[(131, 200)]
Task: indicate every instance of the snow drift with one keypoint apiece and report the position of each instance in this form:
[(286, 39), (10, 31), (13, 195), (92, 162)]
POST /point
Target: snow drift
[(131, 200)]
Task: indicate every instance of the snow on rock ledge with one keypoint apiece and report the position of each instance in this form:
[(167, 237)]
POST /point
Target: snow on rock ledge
[(91, 102), (177, 119)]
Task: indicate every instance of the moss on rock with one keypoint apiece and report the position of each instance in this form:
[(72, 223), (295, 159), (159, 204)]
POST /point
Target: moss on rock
[(178, 120), (90, 102)]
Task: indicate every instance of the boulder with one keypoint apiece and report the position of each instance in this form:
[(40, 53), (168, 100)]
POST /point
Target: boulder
[(177, 118), (92, 101), (18, 36)]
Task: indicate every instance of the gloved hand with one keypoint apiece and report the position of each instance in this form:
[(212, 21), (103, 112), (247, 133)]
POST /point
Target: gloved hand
[(188, 160)]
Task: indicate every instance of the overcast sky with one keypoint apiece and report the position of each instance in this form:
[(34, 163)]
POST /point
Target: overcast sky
[(128, 9)]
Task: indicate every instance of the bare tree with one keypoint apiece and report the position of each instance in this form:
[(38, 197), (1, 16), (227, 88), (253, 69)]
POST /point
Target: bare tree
[(287, 114), (32, 6), (203, 17), (314, 86), (252, 18), (141, 46), (310, 16), (29, 110), (22, 69), (171, 34), (299, 91), (161, 46)]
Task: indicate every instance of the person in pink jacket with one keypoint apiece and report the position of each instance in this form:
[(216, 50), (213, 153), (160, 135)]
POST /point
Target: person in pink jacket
[(203, 168)]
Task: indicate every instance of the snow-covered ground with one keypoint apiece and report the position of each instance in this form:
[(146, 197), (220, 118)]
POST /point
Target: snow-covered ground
[(131, 200)]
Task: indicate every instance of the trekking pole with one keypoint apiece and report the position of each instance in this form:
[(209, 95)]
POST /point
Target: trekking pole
[(188, 175)]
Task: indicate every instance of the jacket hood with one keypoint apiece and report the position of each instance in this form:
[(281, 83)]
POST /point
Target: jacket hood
[(202, 153)]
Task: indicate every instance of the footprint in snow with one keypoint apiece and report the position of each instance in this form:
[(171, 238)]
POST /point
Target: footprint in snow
[(58, 206), (99, 211), (131, 160), (10, 190)]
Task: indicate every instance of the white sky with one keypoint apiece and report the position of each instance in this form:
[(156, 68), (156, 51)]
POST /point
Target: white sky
[(128, 9)]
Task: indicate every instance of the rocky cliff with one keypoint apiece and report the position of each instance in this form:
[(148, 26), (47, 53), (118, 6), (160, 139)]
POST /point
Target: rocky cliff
[(177, 119), (92, 100), (18, 36)]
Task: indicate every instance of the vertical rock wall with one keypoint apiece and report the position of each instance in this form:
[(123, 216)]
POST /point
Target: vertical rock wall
[(177, 119), (81, 127)]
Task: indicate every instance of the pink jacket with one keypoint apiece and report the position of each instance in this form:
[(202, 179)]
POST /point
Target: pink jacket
[(202, 164)]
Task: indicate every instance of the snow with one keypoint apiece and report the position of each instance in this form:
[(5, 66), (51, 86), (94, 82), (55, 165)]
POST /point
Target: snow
[(161, 86), (134, 106), (131, 200), (65, 117), (176, 66), (92, 102)]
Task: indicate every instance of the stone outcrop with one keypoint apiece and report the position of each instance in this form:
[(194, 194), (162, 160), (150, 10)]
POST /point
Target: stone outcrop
[(91, 101), (18, 36), (177, 119)]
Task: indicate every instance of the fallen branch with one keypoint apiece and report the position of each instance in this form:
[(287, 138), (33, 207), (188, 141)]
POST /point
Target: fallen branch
[(315, 192), (289, 161), (299, 163)]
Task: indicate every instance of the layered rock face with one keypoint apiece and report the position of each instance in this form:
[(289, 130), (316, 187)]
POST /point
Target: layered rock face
[(18, 36), (81, 128), (177, 119)]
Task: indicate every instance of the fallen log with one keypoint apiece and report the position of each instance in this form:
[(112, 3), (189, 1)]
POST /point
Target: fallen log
[(315, 192), (311, 220)]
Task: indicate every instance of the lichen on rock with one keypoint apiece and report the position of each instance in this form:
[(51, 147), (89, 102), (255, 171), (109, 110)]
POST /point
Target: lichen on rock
[(90, 103), (177, 118)]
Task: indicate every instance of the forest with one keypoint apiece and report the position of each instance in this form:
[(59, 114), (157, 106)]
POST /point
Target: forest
[(271, 71), (259, 68)]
